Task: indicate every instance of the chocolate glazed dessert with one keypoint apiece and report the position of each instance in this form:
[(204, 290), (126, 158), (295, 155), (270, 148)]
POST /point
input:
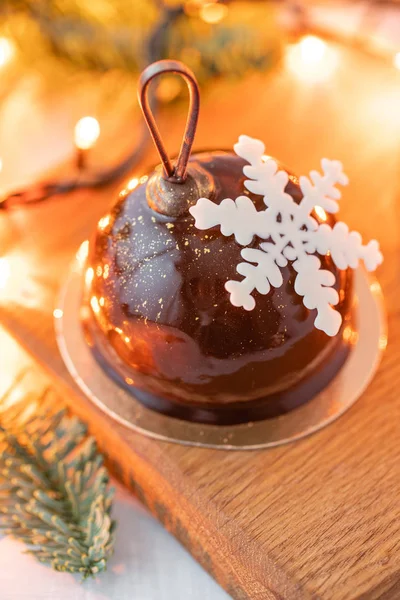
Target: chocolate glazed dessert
[(159, 319)]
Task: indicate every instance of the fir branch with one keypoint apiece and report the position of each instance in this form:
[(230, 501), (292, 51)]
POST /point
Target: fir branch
[(54, 492)]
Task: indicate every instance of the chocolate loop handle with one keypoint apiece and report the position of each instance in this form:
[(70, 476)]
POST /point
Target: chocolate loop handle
[(174, 174)]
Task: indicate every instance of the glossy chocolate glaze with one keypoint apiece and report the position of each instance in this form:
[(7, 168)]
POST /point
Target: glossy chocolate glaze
[(159, 318)]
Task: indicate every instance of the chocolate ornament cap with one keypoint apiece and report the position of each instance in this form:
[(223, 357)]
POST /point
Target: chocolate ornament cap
[(174, 199), (218, 310), (172, 188)]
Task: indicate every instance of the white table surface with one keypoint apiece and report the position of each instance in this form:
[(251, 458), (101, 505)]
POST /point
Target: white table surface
[(148, 564)]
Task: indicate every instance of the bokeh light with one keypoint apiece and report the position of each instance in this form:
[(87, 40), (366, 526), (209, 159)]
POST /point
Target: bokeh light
[(87, 131), (6, 51), (213, 13), (311, 59)]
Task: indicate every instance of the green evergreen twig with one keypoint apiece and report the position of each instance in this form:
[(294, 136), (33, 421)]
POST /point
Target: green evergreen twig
[(54, 492)]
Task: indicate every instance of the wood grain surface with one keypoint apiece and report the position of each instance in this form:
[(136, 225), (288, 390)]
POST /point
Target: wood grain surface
[(316, 519)]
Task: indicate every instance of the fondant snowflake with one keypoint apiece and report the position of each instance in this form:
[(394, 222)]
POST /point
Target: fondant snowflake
[(291, 234)]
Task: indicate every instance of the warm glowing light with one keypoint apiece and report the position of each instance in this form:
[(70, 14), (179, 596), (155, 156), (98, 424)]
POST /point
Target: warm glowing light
[(127, 339), (347, 333), (118, 330), (89, 276), (104, 222), (57, 313), (265, 157), (375, 287), (382, 342), (312, 49), (4, 272), (101, 301), (311, 58), (213, 13), (83, 252), (6, 51), (321, 213), (87, 131), (94, 303), (350, 336), (132, 184), (396, 60)]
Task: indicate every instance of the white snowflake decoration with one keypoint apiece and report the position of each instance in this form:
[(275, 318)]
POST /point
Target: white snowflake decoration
[(291, 232)]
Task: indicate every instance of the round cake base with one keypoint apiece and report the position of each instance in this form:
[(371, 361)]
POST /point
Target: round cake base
[(368, 343)]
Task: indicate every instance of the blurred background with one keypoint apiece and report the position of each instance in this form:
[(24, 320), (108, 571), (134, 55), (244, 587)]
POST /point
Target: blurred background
[(63, 60)]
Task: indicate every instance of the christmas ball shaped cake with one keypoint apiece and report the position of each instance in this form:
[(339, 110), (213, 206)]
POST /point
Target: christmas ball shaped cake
[(225, 294)]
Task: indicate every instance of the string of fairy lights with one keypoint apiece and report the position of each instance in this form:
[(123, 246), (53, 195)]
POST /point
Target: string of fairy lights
[(310, 57)]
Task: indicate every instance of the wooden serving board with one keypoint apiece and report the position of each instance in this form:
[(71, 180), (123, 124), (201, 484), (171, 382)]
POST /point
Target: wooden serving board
[(319, 518)]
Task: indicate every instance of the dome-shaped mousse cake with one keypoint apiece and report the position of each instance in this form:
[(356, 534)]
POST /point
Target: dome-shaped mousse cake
[(219, 290), (161, 321)]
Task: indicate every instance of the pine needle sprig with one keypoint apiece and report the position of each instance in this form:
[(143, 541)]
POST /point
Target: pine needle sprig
[(54, 489)]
